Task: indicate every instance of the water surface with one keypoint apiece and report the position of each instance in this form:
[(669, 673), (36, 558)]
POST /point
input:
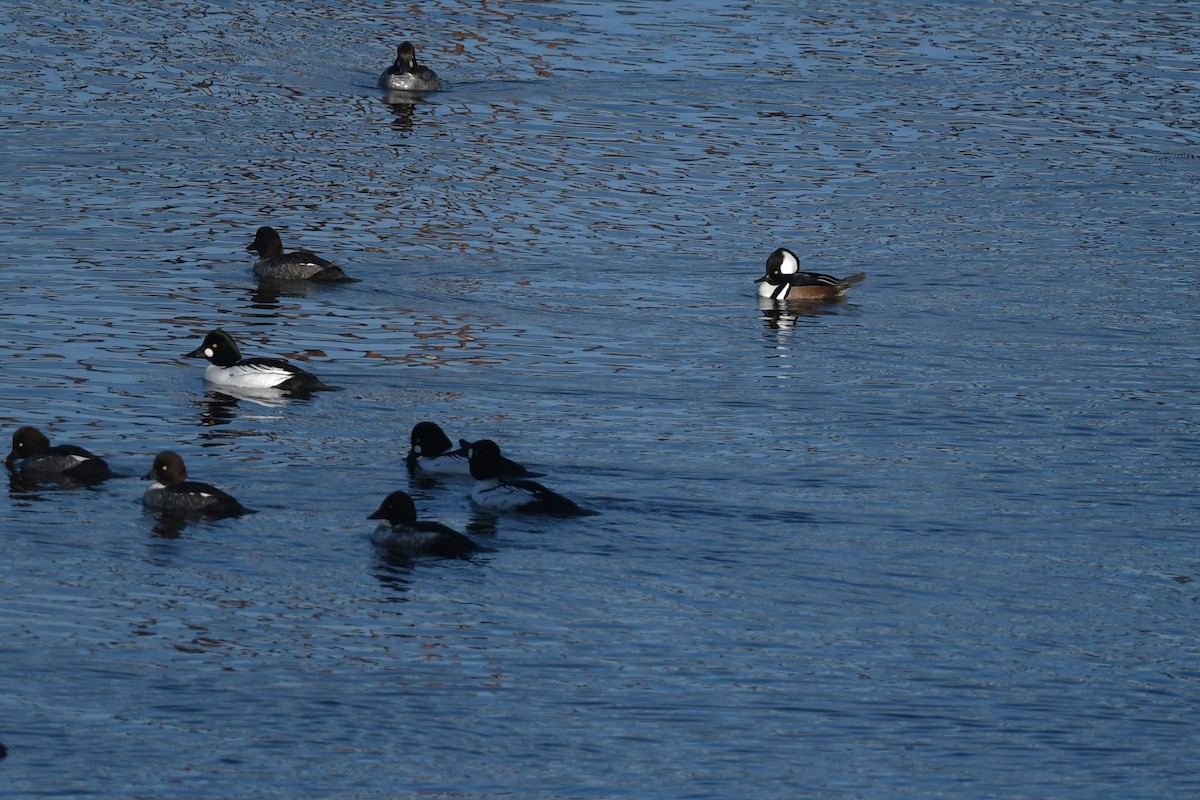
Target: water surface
[(937, 540)]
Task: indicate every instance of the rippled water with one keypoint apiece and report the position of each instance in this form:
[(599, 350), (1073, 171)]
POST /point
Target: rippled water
[(938, 540)]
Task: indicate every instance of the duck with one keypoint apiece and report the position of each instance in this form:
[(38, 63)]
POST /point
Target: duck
[(228, 368), (784, 281), (297, 266), (402, 532), (495, 493), (33, 457), (173, 493), (406, 75), (432, 452)]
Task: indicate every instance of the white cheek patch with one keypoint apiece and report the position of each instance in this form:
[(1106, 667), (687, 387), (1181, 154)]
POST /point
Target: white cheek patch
[(790, 265), (208, 352)]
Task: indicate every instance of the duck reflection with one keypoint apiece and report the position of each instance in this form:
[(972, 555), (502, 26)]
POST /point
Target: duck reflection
[(169, 526), (269, 293), (217, 409), (482, 522), (221, 407), (403, 106), (394, 568), (782, 315), (24, 488), (421, 481), (266, 295), (33, 490), (394, 572)]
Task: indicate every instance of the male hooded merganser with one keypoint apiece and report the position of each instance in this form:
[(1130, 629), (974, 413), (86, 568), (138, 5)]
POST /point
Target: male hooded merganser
[(784, 281)]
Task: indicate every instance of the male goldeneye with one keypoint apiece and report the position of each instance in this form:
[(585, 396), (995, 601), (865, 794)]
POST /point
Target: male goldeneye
[(228, 368), (40, 461), (173, 493), (298, 266), (403, 533), (784, 281), (406, 75), (431, 451), (496, 493)]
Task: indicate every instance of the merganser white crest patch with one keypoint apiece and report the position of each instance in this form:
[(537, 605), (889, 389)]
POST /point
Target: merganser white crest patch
[(790, 265)]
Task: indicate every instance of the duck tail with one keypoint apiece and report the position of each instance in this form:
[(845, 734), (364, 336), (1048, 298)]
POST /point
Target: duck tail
[(846, 283)]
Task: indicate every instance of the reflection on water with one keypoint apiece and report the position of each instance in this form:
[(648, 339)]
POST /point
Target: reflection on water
[(559, 251), (405, 108), (267, 293), (784, 314), (170, 526)]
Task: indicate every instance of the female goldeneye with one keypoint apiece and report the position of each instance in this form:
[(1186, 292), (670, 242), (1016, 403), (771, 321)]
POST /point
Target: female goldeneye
[(784, 281), (431, 451), (40, 461), (228, 368), (173, 493), (406, 75), (298, 266), (403, 533), (496, 493)]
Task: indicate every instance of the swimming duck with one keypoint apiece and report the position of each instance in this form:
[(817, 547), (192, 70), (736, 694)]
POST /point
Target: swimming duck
[(173, 493), (296, 266), (430, 451), (34, 458), (784, 281), (228, 368), (403, 532), (406, 75), (496, 493)]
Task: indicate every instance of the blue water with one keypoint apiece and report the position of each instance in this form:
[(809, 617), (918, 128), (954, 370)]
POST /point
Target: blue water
[(939, 540)]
